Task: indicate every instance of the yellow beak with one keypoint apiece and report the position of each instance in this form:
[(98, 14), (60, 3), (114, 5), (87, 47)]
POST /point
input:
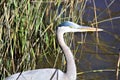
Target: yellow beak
[(90, 29)]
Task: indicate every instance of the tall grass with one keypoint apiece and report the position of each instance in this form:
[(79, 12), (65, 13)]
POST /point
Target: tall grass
[(27, 33)]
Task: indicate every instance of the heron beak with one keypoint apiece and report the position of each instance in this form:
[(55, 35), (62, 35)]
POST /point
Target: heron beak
[(89, 29)]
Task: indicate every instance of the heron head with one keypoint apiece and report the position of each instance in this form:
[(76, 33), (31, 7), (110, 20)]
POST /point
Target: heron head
[(68, 26)]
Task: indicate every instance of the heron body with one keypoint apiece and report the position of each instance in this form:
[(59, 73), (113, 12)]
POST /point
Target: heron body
[(56, 74), (39, 74)]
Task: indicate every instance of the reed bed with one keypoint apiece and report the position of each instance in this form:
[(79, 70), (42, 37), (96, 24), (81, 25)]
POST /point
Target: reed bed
[(27, 33)]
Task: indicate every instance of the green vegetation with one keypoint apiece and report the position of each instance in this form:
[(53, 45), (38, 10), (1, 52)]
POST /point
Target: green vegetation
[(27, 33)]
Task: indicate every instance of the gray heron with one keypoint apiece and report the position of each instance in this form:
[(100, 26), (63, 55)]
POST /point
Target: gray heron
[(56, 74)]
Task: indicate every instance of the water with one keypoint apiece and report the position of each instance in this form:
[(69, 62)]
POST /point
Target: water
[(105, 55)]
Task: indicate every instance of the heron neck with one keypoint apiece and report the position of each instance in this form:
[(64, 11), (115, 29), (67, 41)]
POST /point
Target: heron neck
[(71, 67)]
